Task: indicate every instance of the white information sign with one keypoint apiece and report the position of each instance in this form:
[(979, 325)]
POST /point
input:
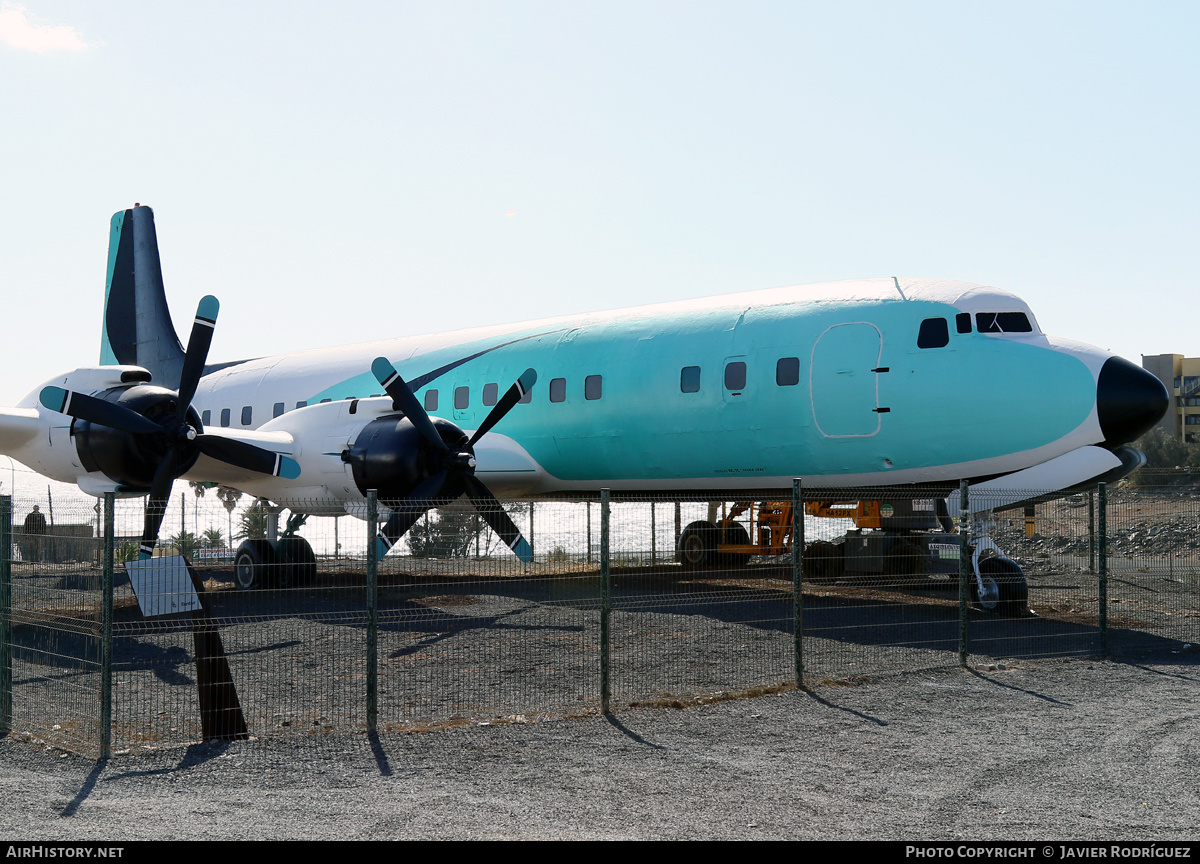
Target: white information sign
[(162, 585)]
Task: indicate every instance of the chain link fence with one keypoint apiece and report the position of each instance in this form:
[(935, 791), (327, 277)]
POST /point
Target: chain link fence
[(628, 601)]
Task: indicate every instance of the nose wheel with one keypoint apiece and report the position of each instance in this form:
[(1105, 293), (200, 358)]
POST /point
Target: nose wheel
[(1001, 588)]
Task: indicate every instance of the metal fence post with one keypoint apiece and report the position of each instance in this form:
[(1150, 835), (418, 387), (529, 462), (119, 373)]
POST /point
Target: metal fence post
[(6, 680), (964, 568), (653, 537), (372, 610), (1091, 532), (605, 586), (798, 580), (106, 627), (1102, 555)]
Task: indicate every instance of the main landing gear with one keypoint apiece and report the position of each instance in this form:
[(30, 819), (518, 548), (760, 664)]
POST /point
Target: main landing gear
[(288, 562)]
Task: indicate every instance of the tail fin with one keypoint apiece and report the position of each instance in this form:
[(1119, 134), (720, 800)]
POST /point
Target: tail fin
[(137, 328)]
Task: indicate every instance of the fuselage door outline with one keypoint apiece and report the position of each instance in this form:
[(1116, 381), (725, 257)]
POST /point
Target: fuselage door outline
[(844, 380)]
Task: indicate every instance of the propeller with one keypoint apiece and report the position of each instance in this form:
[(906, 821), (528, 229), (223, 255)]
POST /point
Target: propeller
[(446, 464), (149, 436)]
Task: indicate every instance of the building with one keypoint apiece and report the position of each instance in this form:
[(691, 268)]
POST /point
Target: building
[(1181, 375)]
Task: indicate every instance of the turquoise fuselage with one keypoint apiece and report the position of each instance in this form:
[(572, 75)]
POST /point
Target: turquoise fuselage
[(866, 405)]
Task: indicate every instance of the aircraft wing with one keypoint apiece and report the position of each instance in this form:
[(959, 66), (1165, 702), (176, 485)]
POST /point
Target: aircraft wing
[(18, 426)]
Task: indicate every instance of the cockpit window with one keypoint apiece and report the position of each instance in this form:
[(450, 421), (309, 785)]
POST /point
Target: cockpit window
[(1003, 322), (934, 333)]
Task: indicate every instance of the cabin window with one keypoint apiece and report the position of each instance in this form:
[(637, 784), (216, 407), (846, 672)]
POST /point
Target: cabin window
[(787, 371), (527, 398), (558, 389), (1003, 322), (205, 418), (323, 401), (593, 387), (962, 321), (276, 409), (224, 416), (489, 394), (247, 413), (462, 397), (430, 400), (735, 375), (689, 379), (302, 404), (935, 333)]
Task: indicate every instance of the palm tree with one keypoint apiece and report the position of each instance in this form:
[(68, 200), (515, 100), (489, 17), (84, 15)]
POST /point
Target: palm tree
[(229, 498), (254, 523), (184, 542)]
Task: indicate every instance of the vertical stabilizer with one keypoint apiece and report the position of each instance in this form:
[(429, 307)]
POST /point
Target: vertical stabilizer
[(137, 328)]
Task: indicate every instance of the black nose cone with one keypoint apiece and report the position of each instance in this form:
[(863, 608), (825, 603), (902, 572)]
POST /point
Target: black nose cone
[(1129, 401)]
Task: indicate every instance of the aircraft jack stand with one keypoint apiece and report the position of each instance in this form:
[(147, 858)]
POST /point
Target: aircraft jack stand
[(221, 717)]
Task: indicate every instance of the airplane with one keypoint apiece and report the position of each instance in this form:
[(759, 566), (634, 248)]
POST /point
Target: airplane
[(867, 382)]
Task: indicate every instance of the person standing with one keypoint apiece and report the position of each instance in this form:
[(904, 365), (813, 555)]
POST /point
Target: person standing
[(35, 530)]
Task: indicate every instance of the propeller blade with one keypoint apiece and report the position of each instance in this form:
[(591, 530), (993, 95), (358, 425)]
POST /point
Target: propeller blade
[(197, 351), (511, 397), (429, 493), (386, 374), (248, 456), (98, 411), (156, 504), (499, 521)]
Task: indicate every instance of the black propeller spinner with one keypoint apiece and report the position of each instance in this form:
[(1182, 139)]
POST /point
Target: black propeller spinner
[(420, 462), (144, 437)]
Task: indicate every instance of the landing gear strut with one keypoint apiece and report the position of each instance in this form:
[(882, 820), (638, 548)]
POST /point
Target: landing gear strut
[(999, 585)]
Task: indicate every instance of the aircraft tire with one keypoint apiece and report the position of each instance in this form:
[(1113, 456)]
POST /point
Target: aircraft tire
[(698, 545), (733, 534), (823, 562), (252, 565), (297, 563), (1006, 593)]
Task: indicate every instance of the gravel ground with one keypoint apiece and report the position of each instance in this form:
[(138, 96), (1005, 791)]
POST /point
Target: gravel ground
[(1045, 750)]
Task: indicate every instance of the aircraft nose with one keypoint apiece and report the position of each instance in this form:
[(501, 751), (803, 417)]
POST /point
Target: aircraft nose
[(1129, 400)]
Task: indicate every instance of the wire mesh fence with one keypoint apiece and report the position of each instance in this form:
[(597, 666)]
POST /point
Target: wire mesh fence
[(683, 629), (626, 600)]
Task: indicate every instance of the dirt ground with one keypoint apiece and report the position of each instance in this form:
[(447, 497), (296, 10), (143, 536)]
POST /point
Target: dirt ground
[(1038, 750)]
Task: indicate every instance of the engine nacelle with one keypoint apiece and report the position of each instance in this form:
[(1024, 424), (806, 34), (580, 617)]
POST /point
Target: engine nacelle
[(68, 450), (349, 447), (392, 457), (126, 458)]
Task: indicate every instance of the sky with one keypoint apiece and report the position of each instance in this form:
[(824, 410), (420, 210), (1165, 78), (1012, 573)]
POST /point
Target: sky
[(343, 172)]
